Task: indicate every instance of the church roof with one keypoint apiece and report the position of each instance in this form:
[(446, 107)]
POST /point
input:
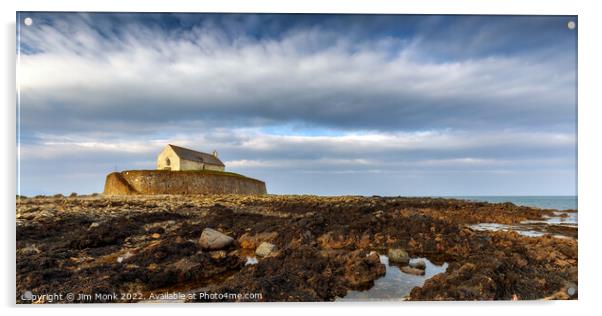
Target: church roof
[(193, 155)]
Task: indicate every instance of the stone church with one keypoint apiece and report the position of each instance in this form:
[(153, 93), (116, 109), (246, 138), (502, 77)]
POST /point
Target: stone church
[(177, 158)]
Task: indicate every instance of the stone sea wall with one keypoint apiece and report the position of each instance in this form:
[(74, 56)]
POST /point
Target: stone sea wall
[(148, 182)]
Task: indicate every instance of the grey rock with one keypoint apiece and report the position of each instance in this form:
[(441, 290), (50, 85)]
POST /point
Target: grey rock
[(398, 256), (211, 239), (264, 249)]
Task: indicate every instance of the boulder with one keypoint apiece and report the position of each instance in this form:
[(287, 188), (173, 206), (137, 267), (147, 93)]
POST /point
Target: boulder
[(264, 249), (211, 239), (418, 264), (399, 256)]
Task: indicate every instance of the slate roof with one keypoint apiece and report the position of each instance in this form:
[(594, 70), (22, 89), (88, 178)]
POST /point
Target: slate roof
[(192, 155)]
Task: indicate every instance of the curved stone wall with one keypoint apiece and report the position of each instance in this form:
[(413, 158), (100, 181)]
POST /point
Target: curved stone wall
[(180, 182)]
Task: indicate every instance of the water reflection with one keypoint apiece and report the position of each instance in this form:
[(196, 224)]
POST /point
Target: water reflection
[(529, 228), (395, 285), (251, 260), (505, 228), (560, 218)]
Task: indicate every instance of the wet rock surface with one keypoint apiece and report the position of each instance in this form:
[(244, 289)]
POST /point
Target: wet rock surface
[(326, 247), (412, 270)]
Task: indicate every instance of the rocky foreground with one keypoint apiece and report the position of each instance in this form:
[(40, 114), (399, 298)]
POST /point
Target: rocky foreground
[(281, 248)]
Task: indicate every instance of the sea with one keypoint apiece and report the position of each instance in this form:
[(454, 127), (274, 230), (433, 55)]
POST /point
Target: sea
[(557, 202)]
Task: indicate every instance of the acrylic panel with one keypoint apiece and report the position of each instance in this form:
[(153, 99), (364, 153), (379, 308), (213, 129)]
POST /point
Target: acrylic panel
[(221, 157)]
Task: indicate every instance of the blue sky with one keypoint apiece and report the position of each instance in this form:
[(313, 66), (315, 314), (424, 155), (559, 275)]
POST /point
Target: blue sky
[(311, 104)]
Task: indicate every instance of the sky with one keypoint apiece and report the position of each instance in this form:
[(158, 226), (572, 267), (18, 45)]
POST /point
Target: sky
[(311, 104)]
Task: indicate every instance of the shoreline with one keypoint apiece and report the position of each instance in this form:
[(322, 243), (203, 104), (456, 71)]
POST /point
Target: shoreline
[(325, 247)]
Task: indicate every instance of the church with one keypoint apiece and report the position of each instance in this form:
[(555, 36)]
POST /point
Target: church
[(177, 158)]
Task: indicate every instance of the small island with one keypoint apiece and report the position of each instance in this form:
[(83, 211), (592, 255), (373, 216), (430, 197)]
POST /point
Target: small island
[(183, 171)]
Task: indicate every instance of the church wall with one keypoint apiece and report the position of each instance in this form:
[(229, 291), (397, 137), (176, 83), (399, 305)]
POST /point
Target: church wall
[(174, 160), (190, 165)]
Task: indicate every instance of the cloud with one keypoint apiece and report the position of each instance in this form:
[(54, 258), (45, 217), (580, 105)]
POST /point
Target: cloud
[(395, 99), (313, 77), (245, 149), (286, 161)]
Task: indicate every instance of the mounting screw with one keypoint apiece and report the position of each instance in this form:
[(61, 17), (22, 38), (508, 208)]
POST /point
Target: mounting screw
[(571, 25)]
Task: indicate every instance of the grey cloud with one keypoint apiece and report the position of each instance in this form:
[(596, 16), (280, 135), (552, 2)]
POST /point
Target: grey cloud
[(267, 157), (146, 77), (428, 112)]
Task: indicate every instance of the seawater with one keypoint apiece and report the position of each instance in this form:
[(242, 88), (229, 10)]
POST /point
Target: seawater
[(556, 202), (394, 285)]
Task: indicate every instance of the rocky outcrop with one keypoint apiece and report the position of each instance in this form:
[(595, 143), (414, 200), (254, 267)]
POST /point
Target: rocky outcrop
[(149, 182), (325, 247)]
